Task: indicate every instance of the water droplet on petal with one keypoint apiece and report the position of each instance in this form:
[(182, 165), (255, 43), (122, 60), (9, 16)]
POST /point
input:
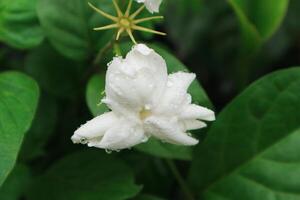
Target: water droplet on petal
[(83, 141), (145, 139), (108, 64), (108, 151)]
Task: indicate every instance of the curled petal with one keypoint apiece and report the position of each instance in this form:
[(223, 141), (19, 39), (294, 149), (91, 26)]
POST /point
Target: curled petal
[(197, 112), (122, 136), (137, 80), (193, 124), (121, 109), (175, 96), (168, 130), (95, 128)]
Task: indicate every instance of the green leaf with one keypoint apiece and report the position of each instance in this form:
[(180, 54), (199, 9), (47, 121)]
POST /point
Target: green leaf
[(94, 94), (91, 175), (147, 197), (54, 73), (252, 151), (42, 128), (18, 101), (147, 169), (19, 25), (157, 148), (16, 183), (165, 150), (259, 19), (69, 24)]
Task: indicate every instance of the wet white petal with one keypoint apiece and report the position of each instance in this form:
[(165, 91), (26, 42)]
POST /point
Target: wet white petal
[(136, 80), (193, 124), (151, 5), (145, 102), (124, 135), (168, 131), (197, 112), (175, 95), (94, 128)]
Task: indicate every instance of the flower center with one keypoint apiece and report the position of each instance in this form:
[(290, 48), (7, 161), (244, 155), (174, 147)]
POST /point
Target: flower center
[(144, 113), (125, 22)]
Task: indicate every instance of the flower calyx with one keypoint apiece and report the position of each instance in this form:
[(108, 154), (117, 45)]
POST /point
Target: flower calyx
[(126, 22)]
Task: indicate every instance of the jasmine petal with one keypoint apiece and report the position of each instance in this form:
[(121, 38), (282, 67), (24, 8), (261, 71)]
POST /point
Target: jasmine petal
[(151, 5), (145, 101), (168, 131)]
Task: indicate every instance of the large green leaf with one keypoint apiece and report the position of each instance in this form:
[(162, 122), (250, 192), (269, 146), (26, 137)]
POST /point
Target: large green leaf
[(69, 24), (147, 197), (18, 100), (165, 150), (94, 94), (42, 128), (147, 169), (19, 25), (252, 151), (91, 175), (16, 183), (259, 19)]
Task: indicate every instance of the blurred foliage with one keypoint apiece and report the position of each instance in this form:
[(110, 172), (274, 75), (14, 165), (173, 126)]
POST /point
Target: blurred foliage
[(50, 84), (19, 25)]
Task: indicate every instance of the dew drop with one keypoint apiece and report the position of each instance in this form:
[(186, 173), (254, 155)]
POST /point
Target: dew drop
[(83, 141), (108, 64), (108, 151), (145, 139)]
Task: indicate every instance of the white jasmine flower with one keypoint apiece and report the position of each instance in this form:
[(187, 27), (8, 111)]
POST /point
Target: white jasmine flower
[(151, 5), (144, 102)]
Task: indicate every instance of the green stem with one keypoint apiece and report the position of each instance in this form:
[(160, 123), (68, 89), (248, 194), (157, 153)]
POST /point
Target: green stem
[(103, 51), (109, 45), (185, 189), (117, 49)]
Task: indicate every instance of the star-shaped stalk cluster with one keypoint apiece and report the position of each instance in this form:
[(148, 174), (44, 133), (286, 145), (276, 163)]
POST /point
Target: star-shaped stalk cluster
[(126, 22)]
